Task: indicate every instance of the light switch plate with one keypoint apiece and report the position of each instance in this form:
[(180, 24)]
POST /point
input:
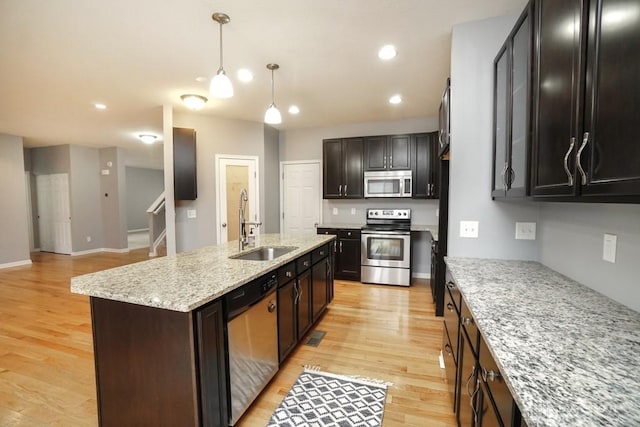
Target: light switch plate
[(191, 213), (335, 211), (469, 229), (353, 211), (609, 248), (525, 230), (104, 171)]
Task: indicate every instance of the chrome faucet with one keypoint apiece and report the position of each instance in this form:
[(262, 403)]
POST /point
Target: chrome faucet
[(242, 232)]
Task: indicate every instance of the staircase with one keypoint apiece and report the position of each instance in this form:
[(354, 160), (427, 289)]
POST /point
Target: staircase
[(157, 224)]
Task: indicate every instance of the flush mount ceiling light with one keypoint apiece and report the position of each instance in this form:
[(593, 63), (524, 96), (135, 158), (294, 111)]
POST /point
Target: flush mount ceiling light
[(194, 102), (395, 99), (221, 86), (387, 52), (147, 138), (294, 109), (245, 75), (272, 116)]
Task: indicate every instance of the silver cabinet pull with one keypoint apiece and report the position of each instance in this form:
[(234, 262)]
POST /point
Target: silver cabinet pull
[(490, 375), (340, 247), (566, 165), (585, 140), (512, 176), (296, 298), (467, 320), (345, 190), (340, 189), (288, 274), (451, 285), (449, 306), (271, 307)]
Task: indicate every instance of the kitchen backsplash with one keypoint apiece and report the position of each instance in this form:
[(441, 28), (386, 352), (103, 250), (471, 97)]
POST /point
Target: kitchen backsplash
[(423, 212)]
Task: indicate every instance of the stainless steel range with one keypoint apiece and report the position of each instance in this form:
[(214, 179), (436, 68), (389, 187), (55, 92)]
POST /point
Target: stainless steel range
[(386, 247)]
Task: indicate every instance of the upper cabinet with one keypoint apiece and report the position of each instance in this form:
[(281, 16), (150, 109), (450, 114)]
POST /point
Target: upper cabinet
[(342, 168), (444, 121), (586, 92), (511, 124), (387, 153), (425, 166), (185, 185)]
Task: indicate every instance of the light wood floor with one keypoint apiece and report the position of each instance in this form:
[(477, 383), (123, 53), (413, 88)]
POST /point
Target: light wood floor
[(46, 357)]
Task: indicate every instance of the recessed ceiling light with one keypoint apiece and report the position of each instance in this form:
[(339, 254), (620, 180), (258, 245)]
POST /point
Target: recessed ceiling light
[(195, 102), (395, 99), (100, 106), (387, 52), (245, 75), (294, 109), (147, 138)]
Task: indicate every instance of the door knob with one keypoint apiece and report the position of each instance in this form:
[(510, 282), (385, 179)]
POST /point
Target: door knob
[(224, 225)]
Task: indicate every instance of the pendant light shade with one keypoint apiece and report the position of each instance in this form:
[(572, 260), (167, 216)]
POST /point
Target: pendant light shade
[(221, 86), (272, 115)]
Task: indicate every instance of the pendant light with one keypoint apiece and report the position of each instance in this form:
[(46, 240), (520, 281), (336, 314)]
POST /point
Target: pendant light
[(272, 116), (220, 84)]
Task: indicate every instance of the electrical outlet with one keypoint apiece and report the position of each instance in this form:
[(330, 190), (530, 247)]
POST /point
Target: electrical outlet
[(191, 213), (526, 230), (335, 211), (104, 171), (353, 211), (469, 229), (88, 238), (609, 248)]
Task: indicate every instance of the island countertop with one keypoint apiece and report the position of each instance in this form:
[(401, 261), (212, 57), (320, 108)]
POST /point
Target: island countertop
[(189, 280), (569, 355)]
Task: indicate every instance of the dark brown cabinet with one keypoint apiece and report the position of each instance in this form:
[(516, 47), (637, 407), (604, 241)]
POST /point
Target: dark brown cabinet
[(511, 124), (586, 95), (287, 304), (320, 276), (304, 308), (425, 166), (347, 251), (387, 152), (444, 120), (185, 185), (342, 162)]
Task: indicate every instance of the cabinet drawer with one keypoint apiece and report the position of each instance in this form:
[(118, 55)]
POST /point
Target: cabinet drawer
[(303, 263), (495, 384), (349, 234), (332, 231), (468, 324), (451, 323), (319, 253), (286, 273)]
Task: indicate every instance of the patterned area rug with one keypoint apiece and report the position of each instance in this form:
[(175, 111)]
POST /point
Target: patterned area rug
[(319, 399)]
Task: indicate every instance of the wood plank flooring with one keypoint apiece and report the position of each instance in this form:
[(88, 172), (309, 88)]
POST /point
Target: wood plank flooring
[(46, 356)]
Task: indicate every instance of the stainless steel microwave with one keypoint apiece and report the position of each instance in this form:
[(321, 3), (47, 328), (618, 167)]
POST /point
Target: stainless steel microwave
[(387, 184)]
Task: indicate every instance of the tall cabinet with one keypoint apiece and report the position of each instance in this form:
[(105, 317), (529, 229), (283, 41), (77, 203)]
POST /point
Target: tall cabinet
[(342, 162), (586, 95)]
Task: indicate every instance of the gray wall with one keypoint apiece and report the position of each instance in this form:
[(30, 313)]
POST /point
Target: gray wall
[(571, 237), (473, 48), (50, 160), (84, 191), (143, 188), (14, 244), (113, 198), (306, 144), (271, 180), (214, 135), (34, 198)]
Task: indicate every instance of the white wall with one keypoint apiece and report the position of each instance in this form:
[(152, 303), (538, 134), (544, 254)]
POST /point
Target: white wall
[(213, 136), (14, 244), (473, 48)]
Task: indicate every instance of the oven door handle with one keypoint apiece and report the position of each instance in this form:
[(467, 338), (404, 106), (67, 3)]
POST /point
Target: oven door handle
[(385, 233)]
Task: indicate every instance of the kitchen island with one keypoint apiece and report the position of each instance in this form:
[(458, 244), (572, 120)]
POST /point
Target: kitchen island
[(159, 328), (568, 354)]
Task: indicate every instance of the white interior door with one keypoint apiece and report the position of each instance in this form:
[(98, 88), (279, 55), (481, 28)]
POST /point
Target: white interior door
[(233, 174), (301, 197), (27, 184), (54, 213)]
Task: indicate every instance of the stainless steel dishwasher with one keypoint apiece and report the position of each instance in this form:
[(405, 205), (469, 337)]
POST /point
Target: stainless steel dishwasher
[(252, 330)]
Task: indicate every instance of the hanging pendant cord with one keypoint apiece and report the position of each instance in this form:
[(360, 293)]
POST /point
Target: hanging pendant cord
[(273, 96), (220, 48)]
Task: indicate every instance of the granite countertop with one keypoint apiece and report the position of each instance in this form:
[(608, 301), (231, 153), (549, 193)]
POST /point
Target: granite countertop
[(433, 229), (569, 355), (189, 280)]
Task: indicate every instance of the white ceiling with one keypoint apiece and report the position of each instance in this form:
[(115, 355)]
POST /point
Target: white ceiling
[(60, 57)]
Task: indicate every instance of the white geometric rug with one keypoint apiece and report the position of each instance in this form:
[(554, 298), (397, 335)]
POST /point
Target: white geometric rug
[(320, 399)]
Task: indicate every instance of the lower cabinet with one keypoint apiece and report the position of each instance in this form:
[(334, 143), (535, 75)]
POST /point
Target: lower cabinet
[(347, 261), (480, 395), (303, 297)]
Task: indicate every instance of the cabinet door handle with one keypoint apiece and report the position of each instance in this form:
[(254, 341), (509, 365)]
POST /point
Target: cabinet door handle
[(271, 307), (345, 190), (467, 320), (340, 247), (566, 159), (296, 298), (288, 274), (449, 306), (512, 177), (585, 140), (340, 190), (490, 375), (390, 162), (451, 285), (305, 263)]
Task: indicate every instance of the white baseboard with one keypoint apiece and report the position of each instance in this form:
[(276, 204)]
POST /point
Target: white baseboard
[(98, 250), (138, 230), (15, 264), (421, 275)]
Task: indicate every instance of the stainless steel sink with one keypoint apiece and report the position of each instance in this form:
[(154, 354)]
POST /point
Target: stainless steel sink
[(264, 253)]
